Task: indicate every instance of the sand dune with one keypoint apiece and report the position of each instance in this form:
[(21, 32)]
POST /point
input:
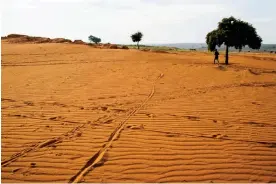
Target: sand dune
[(73, 113)]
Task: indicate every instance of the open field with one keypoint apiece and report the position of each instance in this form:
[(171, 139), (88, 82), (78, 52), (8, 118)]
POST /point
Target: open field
[(74, 113)]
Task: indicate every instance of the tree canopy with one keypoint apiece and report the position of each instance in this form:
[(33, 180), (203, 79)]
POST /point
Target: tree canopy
[(137, 37), (94, 39), (233, 32)]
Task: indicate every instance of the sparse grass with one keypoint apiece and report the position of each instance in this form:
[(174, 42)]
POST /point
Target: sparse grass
[(156, 48)]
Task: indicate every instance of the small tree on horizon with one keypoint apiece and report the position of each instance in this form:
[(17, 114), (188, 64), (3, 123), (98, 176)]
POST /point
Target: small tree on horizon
[(137, 37), (94, 39), (233, 32)]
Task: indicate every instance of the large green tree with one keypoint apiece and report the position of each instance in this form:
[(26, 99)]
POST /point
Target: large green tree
[(137, 37), (233, 32), (94, 39)]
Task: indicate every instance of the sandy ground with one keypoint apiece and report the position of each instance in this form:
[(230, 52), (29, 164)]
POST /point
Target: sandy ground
[(72, 113)]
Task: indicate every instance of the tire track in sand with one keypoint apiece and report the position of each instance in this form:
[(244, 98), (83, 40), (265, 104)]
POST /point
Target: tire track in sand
[(47, 142), (98, 157)]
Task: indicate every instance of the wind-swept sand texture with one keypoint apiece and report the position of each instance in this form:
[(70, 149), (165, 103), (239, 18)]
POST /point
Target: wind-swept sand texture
[(72, 113)]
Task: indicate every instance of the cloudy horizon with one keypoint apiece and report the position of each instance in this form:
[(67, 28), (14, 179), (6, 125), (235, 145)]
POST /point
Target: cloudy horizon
[(161, 21)]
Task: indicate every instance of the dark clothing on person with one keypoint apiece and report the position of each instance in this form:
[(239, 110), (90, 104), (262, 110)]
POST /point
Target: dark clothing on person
[(216, 56)]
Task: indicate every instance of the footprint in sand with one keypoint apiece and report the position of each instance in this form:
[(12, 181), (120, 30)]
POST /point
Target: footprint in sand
[(135, 127), (56, 118), (255, 103), (193, 118), (15, 170), (108, 121), (119, 110), (150, 115), (219, 136), (103, 108), (173, 135), (78, 134)]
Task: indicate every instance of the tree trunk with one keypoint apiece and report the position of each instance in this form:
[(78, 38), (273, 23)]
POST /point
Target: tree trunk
[(226, 55), (138, 45)]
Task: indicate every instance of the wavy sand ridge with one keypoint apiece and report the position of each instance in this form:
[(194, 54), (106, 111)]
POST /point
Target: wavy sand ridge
[(217, 133), (75, 113), (100, 154)]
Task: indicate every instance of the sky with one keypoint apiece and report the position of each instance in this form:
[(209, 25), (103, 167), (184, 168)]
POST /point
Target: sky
[(161, 21)]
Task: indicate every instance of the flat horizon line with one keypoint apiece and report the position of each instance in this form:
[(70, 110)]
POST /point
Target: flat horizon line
[(169, 43)]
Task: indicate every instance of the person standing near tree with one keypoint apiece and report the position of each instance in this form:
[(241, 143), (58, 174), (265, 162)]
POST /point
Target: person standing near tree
[(216, 56)]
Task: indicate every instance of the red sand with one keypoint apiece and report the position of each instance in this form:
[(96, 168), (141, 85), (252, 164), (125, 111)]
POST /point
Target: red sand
[(75, 113)]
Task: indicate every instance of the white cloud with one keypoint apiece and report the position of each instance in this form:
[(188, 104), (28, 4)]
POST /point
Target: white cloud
[(261, 20), (114, 20), (70, 1), (15, 5)]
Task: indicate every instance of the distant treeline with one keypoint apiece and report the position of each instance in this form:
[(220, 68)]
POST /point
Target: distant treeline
[(203, 46)]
